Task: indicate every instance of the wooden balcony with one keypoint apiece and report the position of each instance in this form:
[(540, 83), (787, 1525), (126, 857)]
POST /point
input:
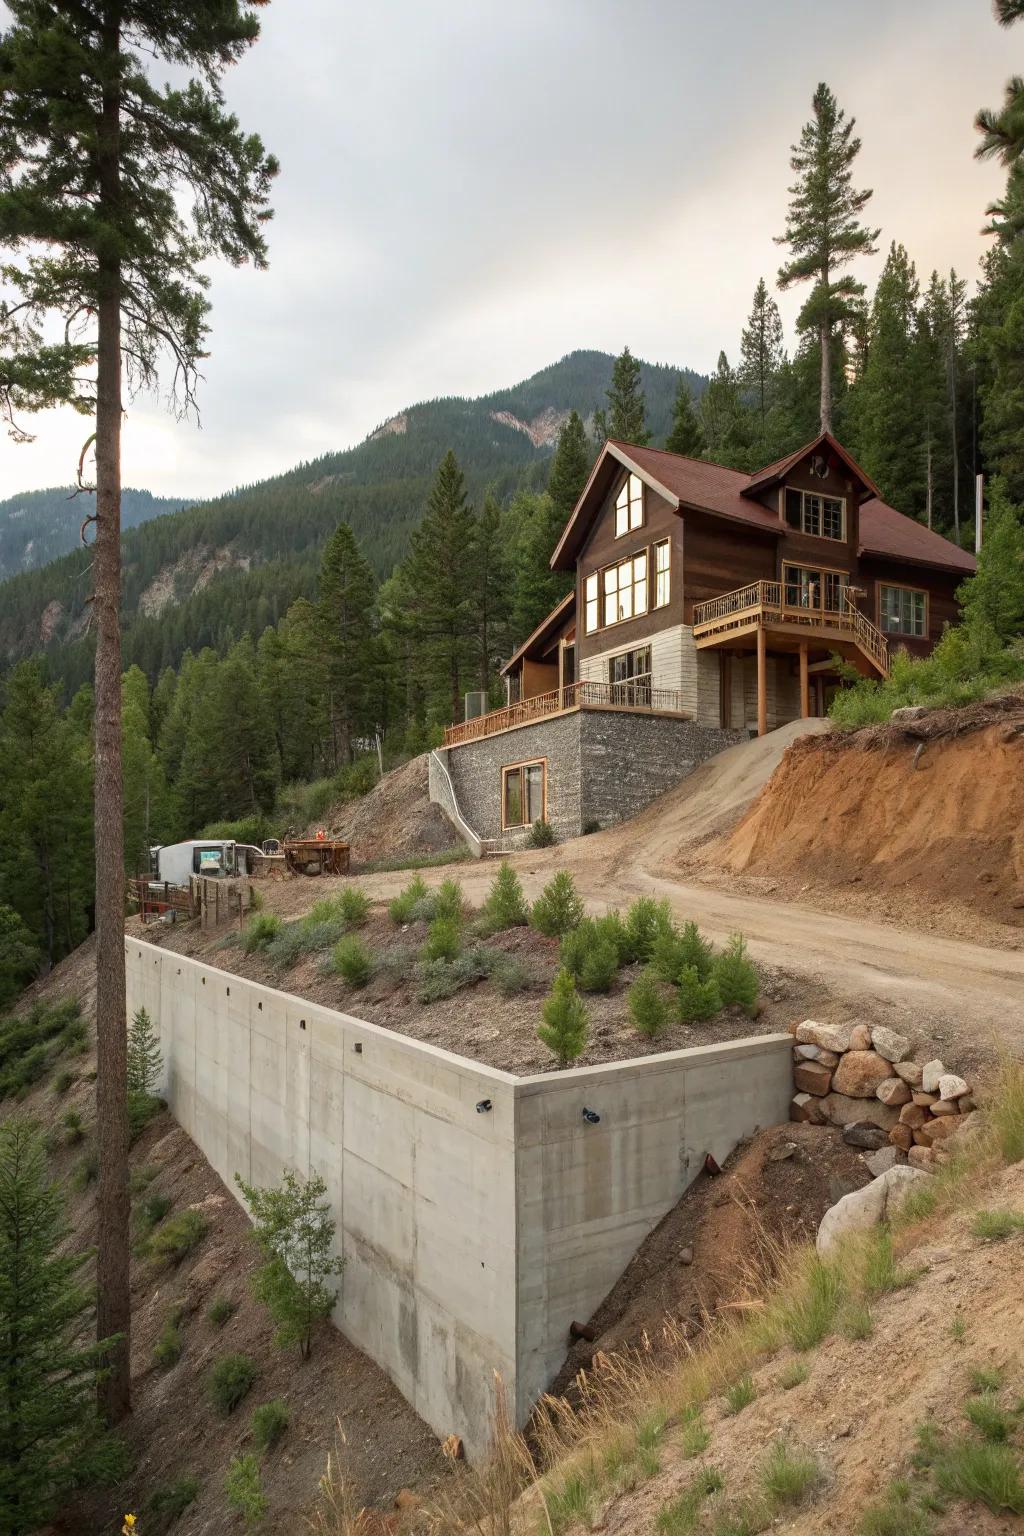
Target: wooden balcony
[(792, 618), (635, 697)]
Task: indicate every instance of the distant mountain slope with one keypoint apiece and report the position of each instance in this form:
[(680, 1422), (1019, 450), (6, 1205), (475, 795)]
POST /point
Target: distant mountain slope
[(38, 526), (212, 572)]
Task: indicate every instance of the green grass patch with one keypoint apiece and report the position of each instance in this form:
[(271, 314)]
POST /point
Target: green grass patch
[(571, 1502), (169, 1347), (177, 1237), (789, 1475), (856, 1322), (794, 1374), (230, 1380), (985, 1378), (739, 1395), (695, 1437), (268, 1423), (221, 1310), (458, 855), (991, 1421), (981, 1471), (896, 1514), (808, 1311), (997, 1226)]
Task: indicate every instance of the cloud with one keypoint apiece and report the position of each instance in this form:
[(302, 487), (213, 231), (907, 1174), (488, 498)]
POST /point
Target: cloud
[(469, 191)]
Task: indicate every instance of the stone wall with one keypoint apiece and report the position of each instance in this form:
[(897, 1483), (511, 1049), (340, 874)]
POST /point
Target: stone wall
[(603, 766)]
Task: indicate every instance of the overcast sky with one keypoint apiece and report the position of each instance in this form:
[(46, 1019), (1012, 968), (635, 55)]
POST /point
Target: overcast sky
[(470, 189)]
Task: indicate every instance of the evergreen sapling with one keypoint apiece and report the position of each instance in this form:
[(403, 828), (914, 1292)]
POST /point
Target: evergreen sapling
[(565, 1020), (735, 976), (696, 951), (145, 1064), (558, 908), (696, 1000), (647, 1006), (505, 906)]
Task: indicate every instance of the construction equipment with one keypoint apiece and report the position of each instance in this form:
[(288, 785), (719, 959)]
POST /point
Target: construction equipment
[(320, 855)]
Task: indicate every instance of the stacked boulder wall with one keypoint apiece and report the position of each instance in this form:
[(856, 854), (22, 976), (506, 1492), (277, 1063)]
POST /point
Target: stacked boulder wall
[(936, 813)]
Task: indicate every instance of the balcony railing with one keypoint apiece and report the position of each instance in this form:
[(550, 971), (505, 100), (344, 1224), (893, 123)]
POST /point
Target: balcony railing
[(767, 603), (636, 694)]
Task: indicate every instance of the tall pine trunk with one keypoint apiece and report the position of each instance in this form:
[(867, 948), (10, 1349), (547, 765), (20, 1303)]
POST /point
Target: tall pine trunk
[(826, 377), (113, 1302)]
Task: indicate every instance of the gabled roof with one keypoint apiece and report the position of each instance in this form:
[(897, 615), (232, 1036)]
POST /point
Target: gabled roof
[(886, 532), (699, 485), (546, 629), (764, 479)]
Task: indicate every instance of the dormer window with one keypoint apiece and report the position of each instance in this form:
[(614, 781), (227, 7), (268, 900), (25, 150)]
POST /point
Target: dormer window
[(629, 506), (821, 517)]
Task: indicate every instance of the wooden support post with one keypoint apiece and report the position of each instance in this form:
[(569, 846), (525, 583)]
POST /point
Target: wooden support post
[(762, 684), (805, 689)]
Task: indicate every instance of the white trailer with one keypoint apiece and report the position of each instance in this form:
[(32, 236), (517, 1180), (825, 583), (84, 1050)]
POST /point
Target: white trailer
[(175, 863)]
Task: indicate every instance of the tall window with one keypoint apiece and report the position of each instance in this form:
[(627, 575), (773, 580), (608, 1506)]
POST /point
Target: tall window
[(625, 589), (522, 794), (809, 588), (630, 676), (823, 517), (592, 602), (662, 575), (629, 505), (903, 611)]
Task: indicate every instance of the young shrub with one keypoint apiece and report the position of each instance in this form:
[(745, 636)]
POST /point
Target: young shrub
[(260, 931), (735, 975), (645, 920), (353, 906), (696, 1000), (220, 1310), (74, 1130), (169, 1347), (984, 1472), (142, 1108), (242, 1489), (230, 1380), (268, 1423), (611, 927), (648, 1009), (444, 939), (565, 1021), (600, 966), (169, 1502), (294, 1228), (63, 1081), (509, 976), (558, 908), (449, 901), (402, 909), (151, 1212), (668, 955), (352, 961), (505, 906), (145, 1064), (176, 1237), (542, 835), (695, 950)]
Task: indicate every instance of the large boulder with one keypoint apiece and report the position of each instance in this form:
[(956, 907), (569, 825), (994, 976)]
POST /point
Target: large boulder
[(859, 1074), (893, 1091), (951, 1086), (831, 1037), (889, 1044), (866, 1207), (910, 1071), (812, 1077), (930, 1074), (841, 1111)]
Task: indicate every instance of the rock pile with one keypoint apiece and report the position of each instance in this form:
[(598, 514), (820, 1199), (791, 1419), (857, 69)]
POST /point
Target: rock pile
[(862, 1079)]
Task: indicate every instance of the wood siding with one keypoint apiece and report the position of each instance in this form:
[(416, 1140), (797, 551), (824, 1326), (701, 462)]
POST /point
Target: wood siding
[(602, 549), (941, 587), (719, 556)]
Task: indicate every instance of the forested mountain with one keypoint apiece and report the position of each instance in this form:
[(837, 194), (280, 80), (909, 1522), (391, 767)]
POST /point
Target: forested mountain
[(38, 526), (210, 573)]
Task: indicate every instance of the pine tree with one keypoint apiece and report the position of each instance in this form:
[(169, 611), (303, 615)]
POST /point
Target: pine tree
[(505, 906), (720, 413), (565, 1021), (98, 166), (19, 955), (346, 626), (696, 999), (490, 576), (147, 811), (993, 599), (890, 415), (823, 230), (761, 357), (686, 436), (570, 467), (647, 1006), (438, 607), (145, 1064), (626, 417), (49, 1433), (537, 589)]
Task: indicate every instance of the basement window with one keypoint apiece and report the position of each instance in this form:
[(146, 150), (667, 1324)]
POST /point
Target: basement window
[(629, 506), (523, 794), (903, 611)]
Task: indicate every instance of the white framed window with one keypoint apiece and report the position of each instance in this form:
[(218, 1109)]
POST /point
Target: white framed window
[(630, 676), (629, 506), (625, 589), (903, 611), (662, 573), (523, 792), (822, 517), (591, 604)]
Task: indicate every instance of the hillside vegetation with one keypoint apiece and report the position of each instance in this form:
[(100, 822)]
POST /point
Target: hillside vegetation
[(39, 526)]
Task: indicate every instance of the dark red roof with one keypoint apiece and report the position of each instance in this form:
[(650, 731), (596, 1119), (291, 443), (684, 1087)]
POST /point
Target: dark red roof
[(699, 483), (884, 531), (773, 473)]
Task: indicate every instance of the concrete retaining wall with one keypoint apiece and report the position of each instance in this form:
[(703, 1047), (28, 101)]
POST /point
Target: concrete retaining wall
[(471, 1239)]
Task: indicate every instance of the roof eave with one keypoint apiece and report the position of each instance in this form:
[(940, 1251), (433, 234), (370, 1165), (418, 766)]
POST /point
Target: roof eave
[(560, 559)]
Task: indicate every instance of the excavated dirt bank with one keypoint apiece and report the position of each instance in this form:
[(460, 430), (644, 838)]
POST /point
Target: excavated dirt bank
[(931, 808), (395, 819)]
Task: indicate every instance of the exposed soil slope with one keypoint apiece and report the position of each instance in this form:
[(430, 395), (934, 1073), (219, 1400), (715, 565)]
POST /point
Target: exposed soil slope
[(934, 809), (395, 819), (174, 1430)]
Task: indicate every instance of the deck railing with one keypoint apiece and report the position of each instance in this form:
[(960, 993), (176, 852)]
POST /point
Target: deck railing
[(636, 694), (774, 602)]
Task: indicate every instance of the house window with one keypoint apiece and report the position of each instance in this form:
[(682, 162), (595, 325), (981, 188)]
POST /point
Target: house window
[(522, 794), (629, 505), (630, 676), (903, 611), (662, 574), (592, 605), (823, 517), (625, 589), (809, 588)]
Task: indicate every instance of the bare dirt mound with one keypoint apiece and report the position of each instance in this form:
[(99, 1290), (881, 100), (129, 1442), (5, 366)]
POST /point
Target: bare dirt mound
[(395, 819), (933, 808)]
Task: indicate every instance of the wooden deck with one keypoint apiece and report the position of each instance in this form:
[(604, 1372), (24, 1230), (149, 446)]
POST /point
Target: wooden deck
[(635, 698), (775, 609)]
